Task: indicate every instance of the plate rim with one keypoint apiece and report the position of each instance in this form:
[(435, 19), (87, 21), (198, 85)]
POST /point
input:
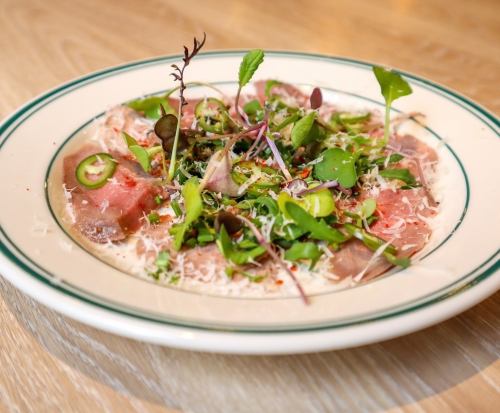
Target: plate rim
[(490, 266)]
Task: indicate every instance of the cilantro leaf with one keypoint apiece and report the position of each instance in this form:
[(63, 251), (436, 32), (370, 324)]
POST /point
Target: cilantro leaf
[(338, 165)]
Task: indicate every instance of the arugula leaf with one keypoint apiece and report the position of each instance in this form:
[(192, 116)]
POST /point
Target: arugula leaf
[(193, 205), (402, 174), (302, 130), (392, 87), (150, 106), (304, 251), (233, 254), (318, 229), (251, 61), (339, 165)]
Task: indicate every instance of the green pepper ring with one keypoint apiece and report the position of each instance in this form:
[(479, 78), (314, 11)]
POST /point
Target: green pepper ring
[(109, 170), (220, 126)]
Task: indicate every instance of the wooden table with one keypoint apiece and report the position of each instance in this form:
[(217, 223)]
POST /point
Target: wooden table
[(49, 363)]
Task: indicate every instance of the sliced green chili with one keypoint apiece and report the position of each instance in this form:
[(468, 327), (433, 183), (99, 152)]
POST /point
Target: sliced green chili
[(95, 176)]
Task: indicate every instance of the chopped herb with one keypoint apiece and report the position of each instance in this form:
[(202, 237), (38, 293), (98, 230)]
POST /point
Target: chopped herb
[(176, 207), (153, 218)]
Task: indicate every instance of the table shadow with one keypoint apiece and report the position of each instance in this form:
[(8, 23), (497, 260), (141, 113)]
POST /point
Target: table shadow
[(365, 379)]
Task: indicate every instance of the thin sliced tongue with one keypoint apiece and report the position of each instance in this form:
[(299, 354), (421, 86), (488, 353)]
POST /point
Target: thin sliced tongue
[(116, 209)]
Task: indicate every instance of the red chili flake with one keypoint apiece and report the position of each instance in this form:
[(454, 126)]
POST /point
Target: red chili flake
[(279, 282), (293, 267), (305, 173), (130, 182)]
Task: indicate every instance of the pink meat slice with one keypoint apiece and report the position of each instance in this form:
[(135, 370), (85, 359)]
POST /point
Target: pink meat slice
[(187, 111), (116, 209), (284, 90), (401, 221)]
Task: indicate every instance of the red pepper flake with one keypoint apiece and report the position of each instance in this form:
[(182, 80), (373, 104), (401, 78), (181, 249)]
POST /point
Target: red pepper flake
[(305, 173), (130, 182), (293, 267), (279, 282)]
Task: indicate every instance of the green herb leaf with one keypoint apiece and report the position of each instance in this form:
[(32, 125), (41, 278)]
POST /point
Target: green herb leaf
[(318, 229), (302, 129), (142, 157), (304, 251), (163, 261), (150, 106), (269, 85), (193, 205), (153, 218), (402, 174), (251, 61), (368, 207), (394, 158), (233, 254), (338, 165), (371, 241), (392, 87), (252, 108)]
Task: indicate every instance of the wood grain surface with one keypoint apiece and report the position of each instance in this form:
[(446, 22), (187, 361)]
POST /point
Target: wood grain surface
[(49, 363)]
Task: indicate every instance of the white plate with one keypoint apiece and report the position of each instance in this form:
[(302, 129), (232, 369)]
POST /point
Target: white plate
[(457, 269)]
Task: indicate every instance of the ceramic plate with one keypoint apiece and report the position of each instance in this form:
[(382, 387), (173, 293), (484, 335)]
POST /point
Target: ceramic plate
[(456, 270)]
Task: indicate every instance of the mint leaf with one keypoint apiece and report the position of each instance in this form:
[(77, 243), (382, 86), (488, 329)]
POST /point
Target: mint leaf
[(251, 61), (338, 165), (302, 129)]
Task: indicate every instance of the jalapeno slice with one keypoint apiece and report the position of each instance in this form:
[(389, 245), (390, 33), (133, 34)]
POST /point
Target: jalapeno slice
[(95, 170), (212, 116)]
